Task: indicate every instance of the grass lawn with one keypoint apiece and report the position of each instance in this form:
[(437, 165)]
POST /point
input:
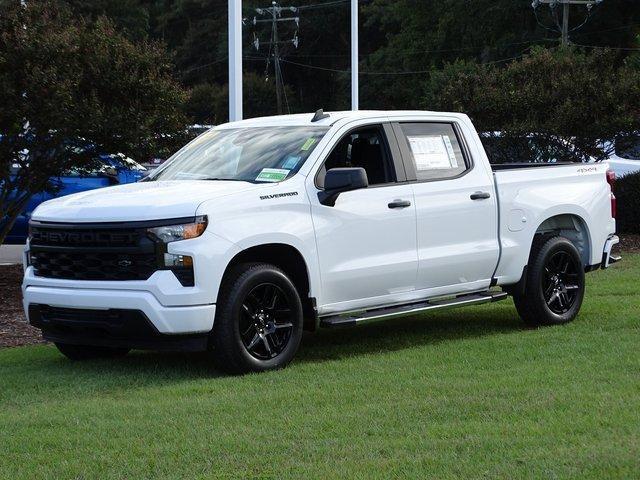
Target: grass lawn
[(459, 394)]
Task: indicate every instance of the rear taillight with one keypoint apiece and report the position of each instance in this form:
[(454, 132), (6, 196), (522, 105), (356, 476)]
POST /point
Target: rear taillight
[(611, 180)]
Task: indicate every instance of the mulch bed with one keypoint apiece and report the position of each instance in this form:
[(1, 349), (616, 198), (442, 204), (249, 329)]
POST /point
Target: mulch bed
[(629, 243), (15, 331)]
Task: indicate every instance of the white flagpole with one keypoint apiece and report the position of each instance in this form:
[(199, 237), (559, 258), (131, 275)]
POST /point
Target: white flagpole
[(354, 56), (235, 60)]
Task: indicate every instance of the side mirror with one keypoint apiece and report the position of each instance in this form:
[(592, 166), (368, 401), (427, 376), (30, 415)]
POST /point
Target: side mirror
[(340, 180)]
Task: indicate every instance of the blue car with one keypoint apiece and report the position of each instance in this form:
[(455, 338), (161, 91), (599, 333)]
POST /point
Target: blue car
[(114, 170)]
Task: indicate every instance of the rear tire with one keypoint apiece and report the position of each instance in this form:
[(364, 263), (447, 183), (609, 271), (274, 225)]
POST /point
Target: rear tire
[(555, 284), (86, 352), (259, 319)]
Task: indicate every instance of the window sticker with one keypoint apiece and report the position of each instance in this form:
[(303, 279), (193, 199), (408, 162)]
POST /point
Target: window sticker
[(308, 144), (452, 155), (291, 162), (432, 152), (272, 175)]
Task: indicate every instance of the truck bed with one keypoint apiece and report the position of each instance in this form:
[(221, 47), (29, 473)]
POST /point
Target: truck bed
[(574, 196)]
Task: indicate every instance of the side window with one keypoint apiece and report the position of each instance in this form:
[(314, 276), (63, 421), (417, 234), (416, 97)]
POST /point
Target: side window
[(434, 150), (365, 148)]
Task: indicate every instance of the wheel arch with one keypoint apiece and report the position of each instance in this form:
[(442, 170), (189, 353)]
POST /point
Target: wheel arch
[(571, 226), (291, 261)]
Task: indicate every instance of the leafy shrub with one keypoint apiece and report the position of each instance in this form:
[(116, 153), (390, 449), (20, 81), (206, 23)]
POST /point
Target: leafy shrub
[(627, 191)]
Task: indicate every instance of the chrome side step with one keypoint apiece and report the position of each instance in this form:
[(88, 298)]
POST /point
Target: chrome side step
[(409, 309)]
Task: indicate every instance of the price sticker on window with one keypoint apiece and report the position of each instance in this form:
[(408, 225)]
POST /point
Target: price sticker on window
[(432, 152)]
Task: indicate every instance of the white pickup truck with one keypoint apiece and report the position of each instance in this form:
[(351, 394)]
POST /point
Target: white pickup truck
[(259, 229)]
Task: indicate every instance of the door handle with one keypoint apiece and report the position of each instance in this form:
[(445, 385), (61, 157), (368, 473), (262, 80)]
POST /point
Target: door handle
[(399, 204), (480, 195)]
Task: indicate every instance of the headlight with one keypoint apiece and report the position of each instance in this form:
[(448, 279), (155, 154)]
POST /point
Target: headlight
[(185, 231)]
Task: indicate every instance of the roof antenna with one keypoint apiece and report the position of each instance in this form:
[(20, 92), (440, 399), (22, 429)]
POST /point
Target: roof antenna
[(320, 115)]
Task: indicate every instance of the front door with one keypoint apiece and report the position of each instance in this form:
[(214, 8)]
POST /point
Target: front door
[(367, 241)]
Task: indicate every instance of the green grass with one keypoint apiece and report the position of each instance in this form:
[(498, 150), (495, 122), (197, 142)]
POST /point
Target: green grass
[(462, 394)]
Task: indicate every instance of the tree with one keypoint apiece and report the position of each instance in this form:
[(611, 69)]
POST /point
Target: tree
[(396, 36), (580, 98), (71, 89), (131, 17), (208, 103)]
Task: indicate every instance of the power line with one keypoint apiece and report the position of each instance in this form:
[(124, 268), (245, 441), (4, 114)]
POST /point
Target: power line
[(623, 27), (205, 65), (262, 58), (421, 52), (626, 49), (325, 4), (403, 72)]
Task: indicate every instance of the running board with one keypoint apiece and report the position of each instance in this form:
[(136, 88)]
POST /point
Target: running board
[(409, 309)]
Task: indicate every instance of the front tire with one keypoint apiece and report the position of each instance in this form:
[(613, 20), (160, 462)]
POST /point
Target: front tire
[(87, 352), (259, 319), (555, 283)]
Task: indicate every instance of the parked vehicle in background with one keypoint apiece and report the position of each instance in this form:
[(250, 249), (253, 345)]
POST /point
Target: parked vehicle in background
[(532, 148), (260, 228), (625, 156), (113, 169), (153, 163)]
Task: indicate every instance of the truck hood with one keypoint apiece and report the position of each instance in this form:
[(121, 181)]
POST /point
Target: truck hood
[(137, 201)]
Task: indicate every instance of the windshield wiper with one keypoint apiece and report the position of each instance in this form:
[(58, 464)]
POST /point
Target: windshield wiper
[(227, 179)]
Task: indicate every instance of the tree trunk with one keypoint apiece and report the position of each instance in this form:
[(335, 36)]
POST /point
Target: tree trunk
[(10, 212)]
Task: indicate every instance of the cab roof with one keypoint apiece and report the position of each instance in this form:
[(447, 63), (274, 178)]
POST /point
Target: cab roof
[(304, 119)]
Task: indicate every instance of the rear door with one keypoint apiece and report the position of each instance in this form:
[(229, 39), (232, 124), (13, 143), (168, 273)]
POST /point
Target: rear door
[(456, 208), (367, 242)]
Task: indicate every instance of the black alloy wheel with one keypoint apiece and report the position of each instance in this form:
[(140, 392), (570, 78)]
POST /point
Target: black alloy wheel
[(554, 283), (560, 282), (259, 319), (266, 323)]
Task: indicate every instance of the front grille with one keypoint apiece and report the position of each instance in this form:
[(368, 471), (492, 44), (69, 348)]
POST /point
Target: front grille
[(78, 265), (99, 252)]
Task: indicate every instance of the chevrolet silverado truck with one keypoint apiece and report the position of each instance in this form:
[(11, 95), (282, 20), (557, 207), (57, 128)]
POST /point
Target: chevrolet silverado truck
[(262, 228)]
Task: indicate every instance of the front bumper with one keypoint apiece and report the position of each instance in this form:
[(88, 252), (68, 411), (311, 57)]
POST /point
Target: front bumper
[(117, 318), (116, 328)]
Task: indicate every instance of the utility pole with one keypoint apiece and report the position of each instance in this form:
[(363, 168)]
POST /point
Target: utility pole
[(276, 55), (566, 6), (275, 12), (565, 24)]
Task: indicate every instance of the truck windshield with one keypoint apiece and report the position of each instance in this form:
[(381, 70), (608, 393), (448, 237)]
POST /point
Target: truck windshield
[(261, 154)]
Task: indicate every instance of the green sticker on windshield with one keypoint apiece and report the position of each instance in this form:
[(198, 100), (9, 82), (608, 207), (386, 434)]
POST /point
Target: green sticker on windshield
[(308, 144), (272, 175)]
